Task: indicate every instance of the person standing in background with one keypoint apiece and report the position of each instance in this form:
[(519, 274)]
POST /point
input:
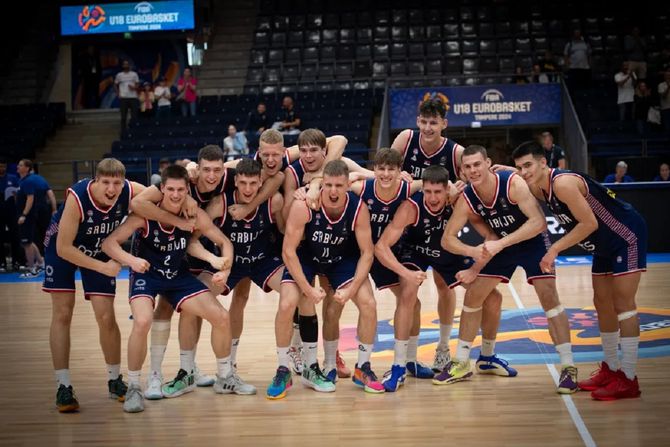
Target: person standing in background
[(635, 47), (555, 154), (163, 95), (90, 70), (625, 91), (577, 54), (187, 93), (9, 233), (126, 84)]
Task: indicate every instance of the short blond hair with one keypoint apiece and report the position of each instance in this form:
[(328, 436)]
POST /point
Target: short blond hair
[(272, 136), (110, 167)]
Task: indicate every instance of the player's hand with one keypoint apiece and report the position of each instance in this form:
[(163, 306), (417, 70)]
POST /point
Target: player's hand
[(406, 176), (227, 263), (492, 248), (456, 189), (139, 265), (499, 168), (356, 176), (111, 268), (239, 211), (415, 276), (341, 296), (187, 224), (192, 169), (21, 220), (190, 207), (315, 294), (218, 262), (466, 276), (300, 193), (547, 263), (221, 278), (479, 254), (313, 198)]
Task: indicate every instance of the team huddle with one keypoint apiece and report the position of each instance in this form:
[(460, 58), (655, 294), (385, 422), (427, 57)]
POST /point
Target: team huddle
[(289, 215)]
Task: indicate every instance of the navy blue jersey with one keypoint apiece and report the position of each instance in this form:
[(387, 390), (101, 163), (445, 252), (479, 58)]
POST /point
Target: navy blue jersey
[(416, 160), (285, 162), (503, 215), (32, 185), (424, 235), (382, 212), (164, 249), (227, 183), (327, 240), (297, 170), (95, 223), (252, 237)]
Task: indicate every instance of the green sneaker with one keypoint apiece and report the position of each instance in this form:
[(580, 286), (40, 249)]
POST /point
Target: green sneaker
[(314, 378), (183, 383), (455, 371)]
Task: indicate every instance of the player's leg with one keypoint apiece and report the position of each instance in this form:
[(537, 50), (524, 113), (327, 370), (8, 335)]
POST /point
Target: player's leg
[(289, 298), (142, 308), (366, 330), (237, 304), (446, 306), (62, 308), (333, 363), (160, 334), (488, 362), (110, 342)]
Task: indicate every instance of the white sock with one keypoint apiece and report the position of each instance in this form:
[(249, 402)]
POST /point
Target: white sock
[(160, 334), (296, 341), (233, 350), (463, 350), (610, 341), (400, 352), (629, 346), (565, 353), (364, 352), (63, 377), (412, 346), (134, 378), (488, 347), (113, 372), (283, 357), (310, 350), (445, 335), (223, 367), (330, 354), (187, 360)]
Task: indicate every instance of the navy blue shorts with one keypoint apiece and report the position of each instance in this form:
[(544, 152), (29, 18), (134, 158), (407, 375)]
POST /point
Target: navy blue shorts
[(177, 290), (28, 229), (339, 274), (418, 261), (382, 276), (197, 266), (260, 272), (526, 254), (624, 252)]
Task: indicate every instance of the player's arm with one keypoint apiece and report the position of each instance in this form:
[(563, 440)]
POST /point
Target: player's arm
[(268, 189), (355, 168), (277, 205), (211, 232), (290, 186), (456, 222), (112, 244), (30, 200), (295, 229), (357, 187), (415, 186), (405, 215), (144, 204), (363, 233), (399, 144)]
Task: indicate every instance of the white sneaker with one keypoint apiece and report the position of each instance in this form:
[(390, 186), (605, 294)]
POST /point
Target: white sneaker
[(297, 365), (154, 385), (442, 357), (202, 379), (233, 384), (134, 402)]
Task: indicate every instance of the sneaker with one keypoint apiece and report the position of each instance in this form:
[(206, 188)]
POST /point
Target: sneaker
[(419, 370), (31, 273), (455, 371), (342, 371), (202, 379), (599, 378), (314, 378), (281, 382), (233, 384), (135, 400), (620, 387), (494, 365), (442, 357), (295, 354), (331, 374), (66, 401), (117, 388), (394, 378), (183, 383), (367, 379), (3, 268), (154, 385), (567, 384)]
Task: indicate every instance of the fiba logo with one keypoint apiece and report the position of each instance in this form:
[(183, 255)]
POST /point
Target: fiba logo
[(91, 17), (143, 8), (492, 95)]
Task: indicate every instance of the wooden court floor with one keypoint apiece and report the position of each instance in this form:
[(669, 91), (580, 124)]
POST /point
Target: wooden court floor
[(521, 411)]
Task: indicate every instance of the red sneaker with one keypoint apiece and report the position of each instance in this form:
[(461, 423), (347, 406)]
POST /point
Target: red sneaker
[(599, 378), (621, 387), (342, 370)]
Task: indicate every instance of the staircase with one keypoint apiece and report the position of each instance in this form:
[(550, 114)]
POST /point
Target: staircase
[(225, 64), (87, 136)]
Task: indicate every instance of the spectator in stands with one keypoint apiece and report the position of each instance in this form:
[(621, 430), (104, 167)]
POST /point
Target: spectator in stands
[(90, 70), (663, 173), (555, 154), (619, 175), (537, 76), (625, 91), (257, 121), (548, 65), (126, 84), (577, 54), (635, 48), (288, 122), (156, 178), (235, 144), (147, 100), (163, 95), (9, 234), (187, 93), (642, 102), (519, 76), (664, 95)]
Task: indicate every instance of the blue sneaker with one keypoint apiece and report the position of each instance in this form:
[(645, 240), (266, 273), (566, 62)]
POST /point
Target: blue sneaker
[(419, 370), (281, 382), (332, 375), (394, 378), (494, 365)]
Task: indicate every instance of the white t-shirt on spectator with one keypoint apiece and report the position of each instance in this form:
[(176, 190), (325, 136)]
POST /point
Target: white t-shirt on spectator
[(124, 80), (159, 92), (665, 102), (625, 92)]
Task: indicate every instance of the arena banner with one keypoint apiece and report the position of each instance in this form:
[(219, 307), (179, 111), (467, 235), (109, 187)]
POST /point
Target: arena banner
[(105, 18), (481, 105)]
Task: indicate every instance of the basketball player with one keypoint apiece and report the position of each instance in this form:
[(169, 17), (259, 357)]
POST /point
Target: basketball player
[(517, 238), (338, 245), (615, 233), (92, 210)]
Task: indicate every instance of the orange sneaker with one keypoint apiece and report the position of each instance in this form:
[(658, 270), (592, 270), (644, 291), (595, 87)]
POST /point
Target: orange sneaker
[(599, 378), (621, 387), (342, 371)]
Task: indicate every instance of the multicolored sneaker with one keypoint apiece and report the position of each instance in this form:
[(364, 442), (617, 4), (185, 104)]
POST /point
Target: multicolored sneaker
[(295, 354), (342, 371), (233, 384), (154, 385), (66, 401), (455, 371), (419, 370), (117, 388), (314, 378), (367, 379), (394, 378), (599, 378), (183, 383), (567, 384), (494, 365), (281, 382), (202, 380), (442, 357), (134, 400), (621, 387)]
